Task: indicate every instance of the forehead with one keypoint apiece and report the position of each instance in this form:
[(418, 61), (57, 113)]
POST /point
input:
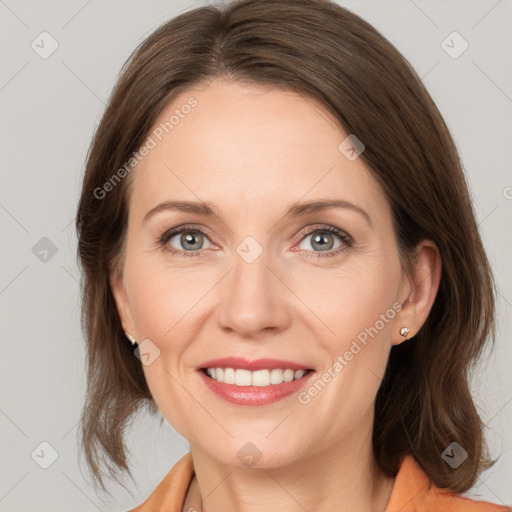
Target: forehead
[(249, 148)]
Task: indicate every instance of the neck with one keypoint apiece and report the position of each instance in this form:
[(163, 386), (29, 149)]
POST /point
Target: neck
[(343, 477)]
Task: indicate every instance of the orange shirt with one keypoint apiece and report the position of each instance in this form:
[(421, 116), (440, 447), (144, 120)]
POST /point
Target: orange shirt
[(411, 492)]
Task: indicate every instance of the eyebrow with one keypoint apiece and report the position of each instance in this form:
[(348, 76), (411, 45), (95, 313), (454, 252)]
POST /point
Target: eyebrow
[(295, 210)]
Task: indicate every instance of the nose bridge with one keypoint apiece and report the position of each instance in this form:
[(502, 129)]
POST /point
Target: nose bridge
[(252, 297)]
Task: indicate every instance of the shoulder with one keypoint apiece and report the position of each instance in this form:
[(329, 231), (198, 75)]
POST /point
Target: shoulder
[(415, 492), (171, 492)]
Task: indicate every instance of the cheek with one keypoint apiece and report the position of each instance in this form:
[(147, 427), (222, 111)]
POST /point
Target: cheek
[(157, 305), (367, 312), (162, 306), (350, 299), (359, 307), (161, 297)]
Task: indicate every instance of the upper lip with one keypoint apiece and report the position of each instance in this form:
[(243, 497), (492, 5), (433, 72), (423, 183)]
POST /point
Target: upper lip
[(256, 364)]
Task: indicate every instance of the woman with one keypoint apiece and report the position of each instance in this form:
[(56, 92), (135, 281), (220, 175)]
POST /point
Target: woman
[(313, 343)]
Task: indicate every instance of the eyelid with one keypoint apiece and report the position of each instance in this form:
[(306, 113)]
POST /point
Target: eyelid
[(322, 227), (347, 241), (184, 227), (177, 230)]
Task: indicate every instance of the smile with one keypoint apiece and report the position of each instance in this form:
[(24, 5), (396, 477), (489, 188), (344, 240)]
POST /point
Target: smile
[(260, 378), (258, 387)]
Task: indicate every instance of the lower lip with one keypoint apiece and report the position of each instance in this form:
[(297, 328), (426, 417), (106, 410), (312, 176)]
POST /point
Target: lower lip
[(254, 395)]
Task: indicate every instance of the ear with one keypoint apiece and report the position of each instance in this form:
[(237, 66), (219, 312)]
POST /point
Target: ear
[(123, 304), (420, 291)]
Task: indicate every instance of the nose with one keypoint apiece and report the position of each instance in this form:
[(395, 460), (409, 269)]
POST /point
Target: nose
[(253, 298)]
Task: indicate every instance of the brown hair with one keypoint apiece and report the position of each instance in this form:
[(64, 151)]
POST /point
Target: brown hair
[(322, 51)]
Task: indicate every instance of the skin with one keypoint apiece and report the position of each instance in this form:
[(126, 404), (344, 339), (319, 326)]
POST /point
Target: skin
[(252, 151)]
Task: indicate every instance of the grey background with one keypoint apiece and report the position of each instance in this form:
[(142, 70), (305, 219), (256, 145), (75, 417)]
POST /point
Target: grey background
[(50, 108)]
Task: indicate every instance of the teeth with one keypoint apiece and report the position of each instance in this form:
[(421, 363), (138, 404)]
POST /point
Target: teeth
[(242, 377), (228, 376)]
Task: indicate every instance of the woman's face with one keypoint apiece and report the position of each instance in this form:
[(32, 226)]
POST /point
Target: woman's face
[(253, 280)]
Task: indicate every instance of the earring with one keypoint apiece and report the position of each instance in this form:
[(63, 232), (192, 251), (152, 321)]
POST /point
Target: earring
[(404, 332), (132, 339)]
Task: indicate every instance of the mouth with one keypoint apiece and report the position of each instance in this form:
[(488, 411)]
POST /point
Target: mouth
[(260, 378), (261, 382)]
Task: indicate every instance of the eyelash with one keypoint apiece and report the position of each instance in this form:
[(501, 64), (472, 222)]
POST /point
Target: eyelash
[(343, 237)]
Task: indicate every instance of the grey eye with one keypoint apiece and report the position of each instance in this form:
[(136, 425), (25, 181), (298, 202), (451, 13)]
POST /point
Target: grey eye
[(189, 240), (320, 241)]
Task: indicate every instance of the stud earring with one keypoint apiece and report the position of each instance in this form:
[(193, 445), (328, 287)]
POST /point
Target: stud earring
[(404, 332), (132, 339)]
